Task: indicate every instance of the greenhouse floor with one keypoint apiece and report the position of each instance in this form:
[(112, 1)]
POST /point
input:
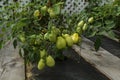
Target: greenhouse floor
[(82, 67), (11, 65)]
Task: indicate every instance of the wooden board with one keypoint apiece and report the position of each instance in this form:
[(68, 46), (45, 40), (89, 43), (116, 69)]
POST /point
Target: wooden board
[(11, 65), (102, 60)]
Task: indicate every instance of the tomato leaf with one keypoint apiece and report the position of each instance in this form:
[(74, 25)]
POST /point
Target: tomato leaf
[(21, 52), (111, 34), (97, 43), (56, 9), (15, 43)]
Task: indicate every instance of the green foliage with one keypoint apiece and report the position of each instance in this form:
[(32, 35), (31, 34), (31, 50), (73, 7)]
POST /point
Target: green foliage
[(106, 18), (36, 25), (97, 43), (29, 23)]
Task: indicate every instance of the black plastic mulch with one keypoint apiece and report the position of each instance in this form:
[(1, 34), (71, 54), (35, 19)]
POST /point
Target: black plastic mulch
[(73, 68)]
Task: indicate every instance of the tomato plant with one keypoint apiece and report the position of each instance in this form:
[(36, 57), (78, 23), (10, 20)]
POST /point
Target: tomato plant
[(40, 31), (106, 19)]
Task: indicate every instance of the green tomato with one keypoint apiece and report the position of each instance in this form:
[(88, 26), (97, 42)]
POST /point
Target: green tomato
[(41, 64), (61, 43), (52, 14), (79, 30), (85, 26), (36, 13), (44, 8), (81, 23), (90, 20), (69, 40), (50, 62), (52, 37), (43, 53), (65, 35), (50, 10)]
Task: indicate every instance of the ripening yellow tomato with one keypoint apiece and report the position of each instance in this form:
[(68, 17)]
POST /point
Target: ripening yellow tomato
[(75, 38), (36, 13)]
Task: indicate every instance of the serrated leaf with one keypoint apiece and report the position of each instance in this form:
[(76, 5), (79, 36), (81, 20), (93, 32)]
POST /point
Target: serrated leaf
[(97, 44)]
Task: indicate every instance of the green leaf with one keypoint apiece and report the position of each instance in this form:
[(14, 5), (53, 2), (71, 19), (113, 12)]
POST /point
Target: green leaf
[(21, 52), (103, 32), (53, 1), (97, 24), (110, 26), (111, 34), (56, 9), (18, 26), (97, 43), (109, 22), (15, 43), (93, 34)]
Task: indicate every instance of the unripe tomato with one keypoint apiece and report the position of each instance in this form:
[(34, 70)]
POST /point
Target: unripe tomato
[(36, 13), (52, 37), (69, 40), (50, 10), (81, 23), (41, 64), (90, 20), (65, 35), (50, 62), (52, 14), (44, 8), (79, 30), (61, 43)]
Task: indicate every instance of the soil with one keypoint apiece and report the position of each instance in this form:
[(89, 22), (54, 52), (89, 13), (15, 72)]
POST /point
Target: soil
[(73, 68)]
